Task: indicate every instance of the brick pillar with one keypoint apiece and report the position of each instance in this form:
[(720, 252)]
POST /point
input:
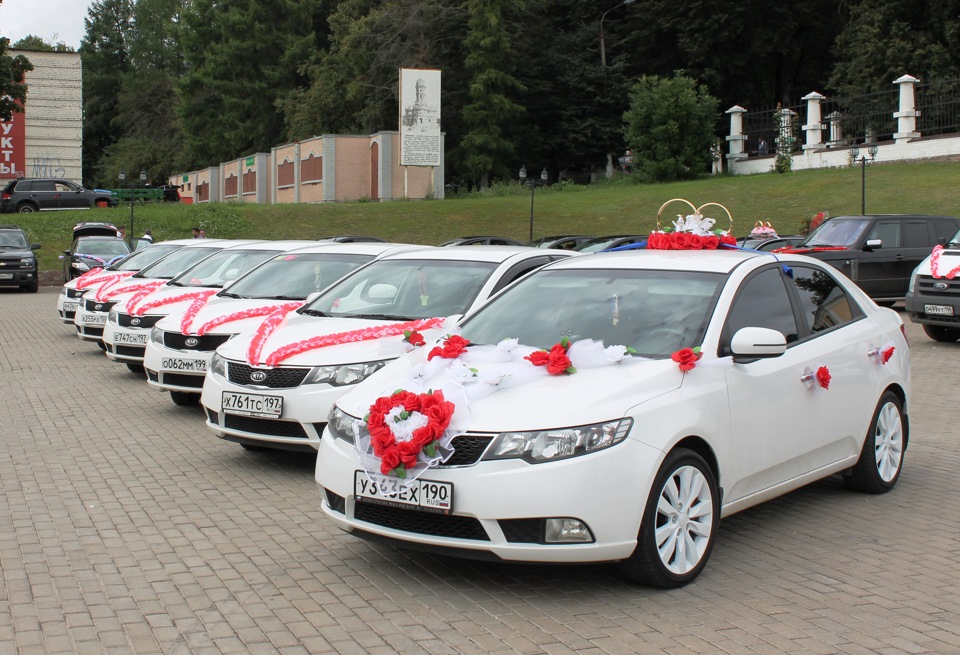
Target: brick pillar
[(813, 130), (736, 138)]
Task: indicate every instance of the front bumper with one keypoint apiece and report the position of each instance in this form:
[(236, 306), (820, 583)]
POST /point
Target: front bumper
[(23, 277), (497, 505), (169, 369), (125, 344), (917, 304), (67, 304)]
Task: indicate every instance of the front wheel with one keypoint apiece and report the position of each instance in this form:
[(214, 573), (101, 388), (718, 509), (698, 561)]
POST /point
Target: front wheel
[(679, 523), (881, 458), (941, 333), (136, 367), (26, 208), (184, 398)]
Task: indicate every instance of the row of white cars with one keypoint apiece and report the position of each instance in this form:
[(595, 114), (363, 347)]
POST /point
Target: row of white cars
[(518, 404)]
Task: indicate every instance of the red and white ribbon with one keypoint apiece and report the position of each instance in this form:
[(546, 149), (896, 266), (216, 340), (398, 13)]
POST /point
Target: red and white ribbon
[(170, 300), (245, 314), (140, 291), (108, 283)]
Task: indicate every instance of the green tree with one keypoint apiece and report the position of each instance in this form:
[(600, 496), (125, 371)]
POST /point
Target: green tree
[(670, 127), (13, 91), (486, 150), (33, 42)]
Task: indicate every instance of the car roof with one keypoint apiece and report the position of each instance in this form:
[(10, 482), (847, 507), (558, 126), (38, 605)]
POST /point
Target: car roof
[(281, 246), (495, 254), (709, 261), (890, 216), (374, 248)]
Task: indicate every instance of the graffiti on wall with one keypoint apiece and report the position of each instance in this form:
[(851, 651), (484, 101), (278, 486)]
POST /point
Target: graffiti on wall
[(48, 167)]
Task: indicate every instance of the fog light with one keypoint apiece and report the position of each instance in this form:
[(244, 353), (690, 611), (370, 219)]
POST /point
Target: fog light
[(562, 531)]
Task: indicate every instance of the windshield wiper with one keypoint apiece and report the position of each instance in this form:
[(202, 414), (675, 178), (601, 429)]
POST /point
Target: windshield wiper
[(382, 317), (314, 312), (227, 294), (284, 298)]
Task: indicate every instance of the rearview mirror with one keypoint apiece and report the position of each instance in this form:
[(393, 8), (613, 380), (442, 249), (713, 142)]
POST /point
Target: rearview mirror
[(757, 343), (382, 292)]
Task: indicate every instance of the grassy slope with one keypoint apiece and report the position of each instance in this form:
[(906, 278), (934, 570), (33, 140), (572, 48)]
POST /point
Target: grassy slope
[(609, 208)]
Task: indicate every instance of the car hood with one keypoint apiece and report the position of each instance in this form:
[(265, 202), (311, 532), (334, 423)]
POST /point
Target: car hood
[(169, 300), (947, 262), (243, 310), (299, 327), (591, 395), (15, 253)]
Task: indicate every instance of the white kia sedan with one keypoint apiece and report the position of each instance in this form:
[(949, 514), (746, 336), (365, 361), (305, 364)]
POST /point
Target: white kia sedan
[(131, 319), (275, 386), (180, 346), (613, 407)]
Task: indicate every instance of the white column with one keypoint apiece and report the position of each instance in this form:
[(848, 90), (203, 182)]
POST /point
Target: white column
[(785, 133), (907, 115), (813, 130), (836, 129), (736, 138)]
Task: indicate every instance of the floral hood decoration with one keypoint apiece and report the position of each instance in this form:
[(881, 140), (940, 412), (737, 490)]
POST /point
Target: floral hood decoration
[(691, 232), (405, 425), (555, 359), (687, 358), (935, 265)]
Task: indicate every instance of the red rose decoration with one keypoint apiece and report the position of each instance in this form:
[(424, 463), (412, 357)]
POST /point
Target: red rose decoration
[(408, 451), (453, 347), (694, 242), (728, 240), (389, 460), (886, 354), (555, 360), (405, 454), (414, 338), (711, 242), (686, 358), (655, 241), (680, 241), (823, 377)]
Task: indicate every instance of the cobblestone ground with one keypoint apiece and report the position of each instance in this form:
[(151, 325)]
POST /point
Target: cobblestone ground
[(126, 527)]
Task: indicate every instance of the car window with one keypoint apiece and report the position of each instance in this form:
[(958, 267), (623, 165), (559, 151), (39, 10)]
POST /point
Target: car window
[(917, 235), (943, 229), (888, 232), (762, 301), (99, 247), (13, 240), (837, 233), (42, 185), (61, 187), (521, 269), (297, 275), (223, 267), (823, 302), (25, 186)]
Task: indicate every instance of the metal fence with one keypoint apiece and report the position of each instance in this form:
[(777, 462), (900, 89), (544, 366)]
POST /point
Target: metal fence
[(766, 130), (939, 107), (864, 118)]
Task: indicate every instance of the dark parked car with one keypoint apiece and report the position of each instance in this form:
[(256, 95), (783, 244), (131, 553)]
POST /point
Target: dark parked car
[(767, 244), (600, 244), (561, 242), (352, 238), (95, 245), (877, 251), (482, 241), (25, 196), (18, 266)]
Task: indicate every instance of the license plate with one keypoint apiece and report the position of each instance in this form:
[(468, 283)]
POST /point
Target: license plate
[(94, 319), (427, 495), (130, 337), (6, 276), (188, 365), (249, 404), (70, 306), (938, 310)]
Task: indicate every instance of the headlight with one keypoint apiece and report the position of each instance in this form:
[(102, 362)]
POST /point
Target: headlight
[(28, 261), (913, 281), (560, 443), (156, 335), (339, 376), (80, 266), (218, 365), (341, 424), (113, 317)]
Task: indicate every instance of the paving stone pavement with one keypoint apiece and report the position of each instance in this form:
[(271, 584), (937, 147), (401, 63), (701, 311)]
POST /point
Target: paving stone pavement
[(126, 527)]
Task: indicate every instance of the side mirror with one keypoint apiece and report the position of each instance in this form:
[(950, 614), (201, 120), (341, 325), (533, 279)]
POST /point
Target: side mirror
[(873, 244), (757, 343), (66, 253)]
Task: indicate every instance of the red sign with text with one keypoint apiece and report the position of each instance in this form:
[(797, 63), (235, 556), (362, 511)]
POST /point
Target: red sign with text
[(13, 146)]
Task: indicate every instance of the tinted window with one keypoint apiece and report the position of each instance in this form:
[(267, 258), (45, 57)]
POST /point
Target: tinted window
[(297, 275), (823, 303), (944, 229), (837, 233), (43, 185), (762, 302), (25, 187), (888, 232)]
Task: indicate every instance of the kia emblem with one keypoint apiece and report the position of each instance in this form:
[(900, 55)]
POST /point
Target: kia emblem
[(258, 376), (98, 307), (191, 342), (134, 321), (940, 286)]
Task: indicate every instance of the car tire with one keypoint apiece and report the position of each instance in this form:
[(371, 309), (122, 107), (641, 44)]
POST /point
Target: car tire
[(254, 449), (686, 472), (941, 333), (881, 458), (101, 345), (26, 208), (184, 398), (136, 367), (32, 288)]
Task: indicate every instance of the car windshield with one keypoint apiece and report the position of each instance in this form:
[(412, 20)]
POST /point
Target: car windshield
[(405, 290), (223, 267), (101, 246), (140, 259), (13, 240), (652, 311), (836, 233), (179, 261), (602, 243), (294, 276)]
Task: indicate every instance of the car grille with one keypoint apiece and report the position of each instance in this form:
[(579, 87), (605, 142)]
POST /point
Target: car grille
[(337, 503), (206, 343), (467, 450), (277, 378), (91, 331), (925, 286), (130, 351), (265, 426), (438, 525), (183, 380), (96, 306), (522, 531), (69, 315), (143, 322)]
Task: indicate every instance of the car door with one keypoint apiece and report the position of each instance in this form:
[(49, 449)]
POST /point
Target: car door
[(69, 196), (880, 271), (772, 406), (44, 195)]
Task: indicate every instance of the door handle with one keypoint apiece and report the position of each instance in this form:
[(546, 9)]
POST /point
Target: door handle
[(807, 378)]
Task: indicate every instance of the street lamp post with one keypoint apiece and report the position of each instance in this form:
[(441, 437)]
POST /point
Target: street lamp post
[(143, 179), (872, 150), (532, 183), (603, 49)]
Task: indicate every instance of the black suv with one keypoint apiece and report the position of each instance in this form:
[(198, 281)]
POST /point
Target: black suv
[(25, 196), (18, 266), (877, 251)]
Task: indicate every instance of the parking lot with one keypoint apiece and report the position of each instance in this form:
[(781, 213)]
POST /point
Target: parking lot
[(127, 527)]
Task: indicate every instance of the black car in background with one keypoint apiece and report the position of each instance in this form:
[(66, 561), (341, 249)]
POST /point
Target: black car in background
[(481, 241), (877, 251), (95, 245), (18, 266), (25, 196)]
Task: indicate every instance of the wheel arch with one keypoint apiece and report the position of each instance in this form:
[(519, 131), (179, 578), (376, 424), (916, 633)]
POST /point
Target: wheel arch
[(702, 448), (901, 395)]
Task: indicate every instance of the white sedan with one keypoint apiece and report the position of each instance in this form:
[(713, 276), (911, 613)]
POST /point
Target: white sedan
[(614, 407), (275, 386)]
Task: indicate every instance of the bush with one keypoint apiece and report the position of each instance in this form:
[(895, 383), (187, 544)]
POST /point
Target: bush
[(670, 128)]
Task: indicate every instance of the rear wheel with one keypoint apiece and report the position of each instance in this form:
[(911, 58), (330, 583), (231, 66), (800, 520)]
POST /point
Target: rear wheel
[(881, 459), (679, 523), (941, 333), (26, 208), (184, 398)]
